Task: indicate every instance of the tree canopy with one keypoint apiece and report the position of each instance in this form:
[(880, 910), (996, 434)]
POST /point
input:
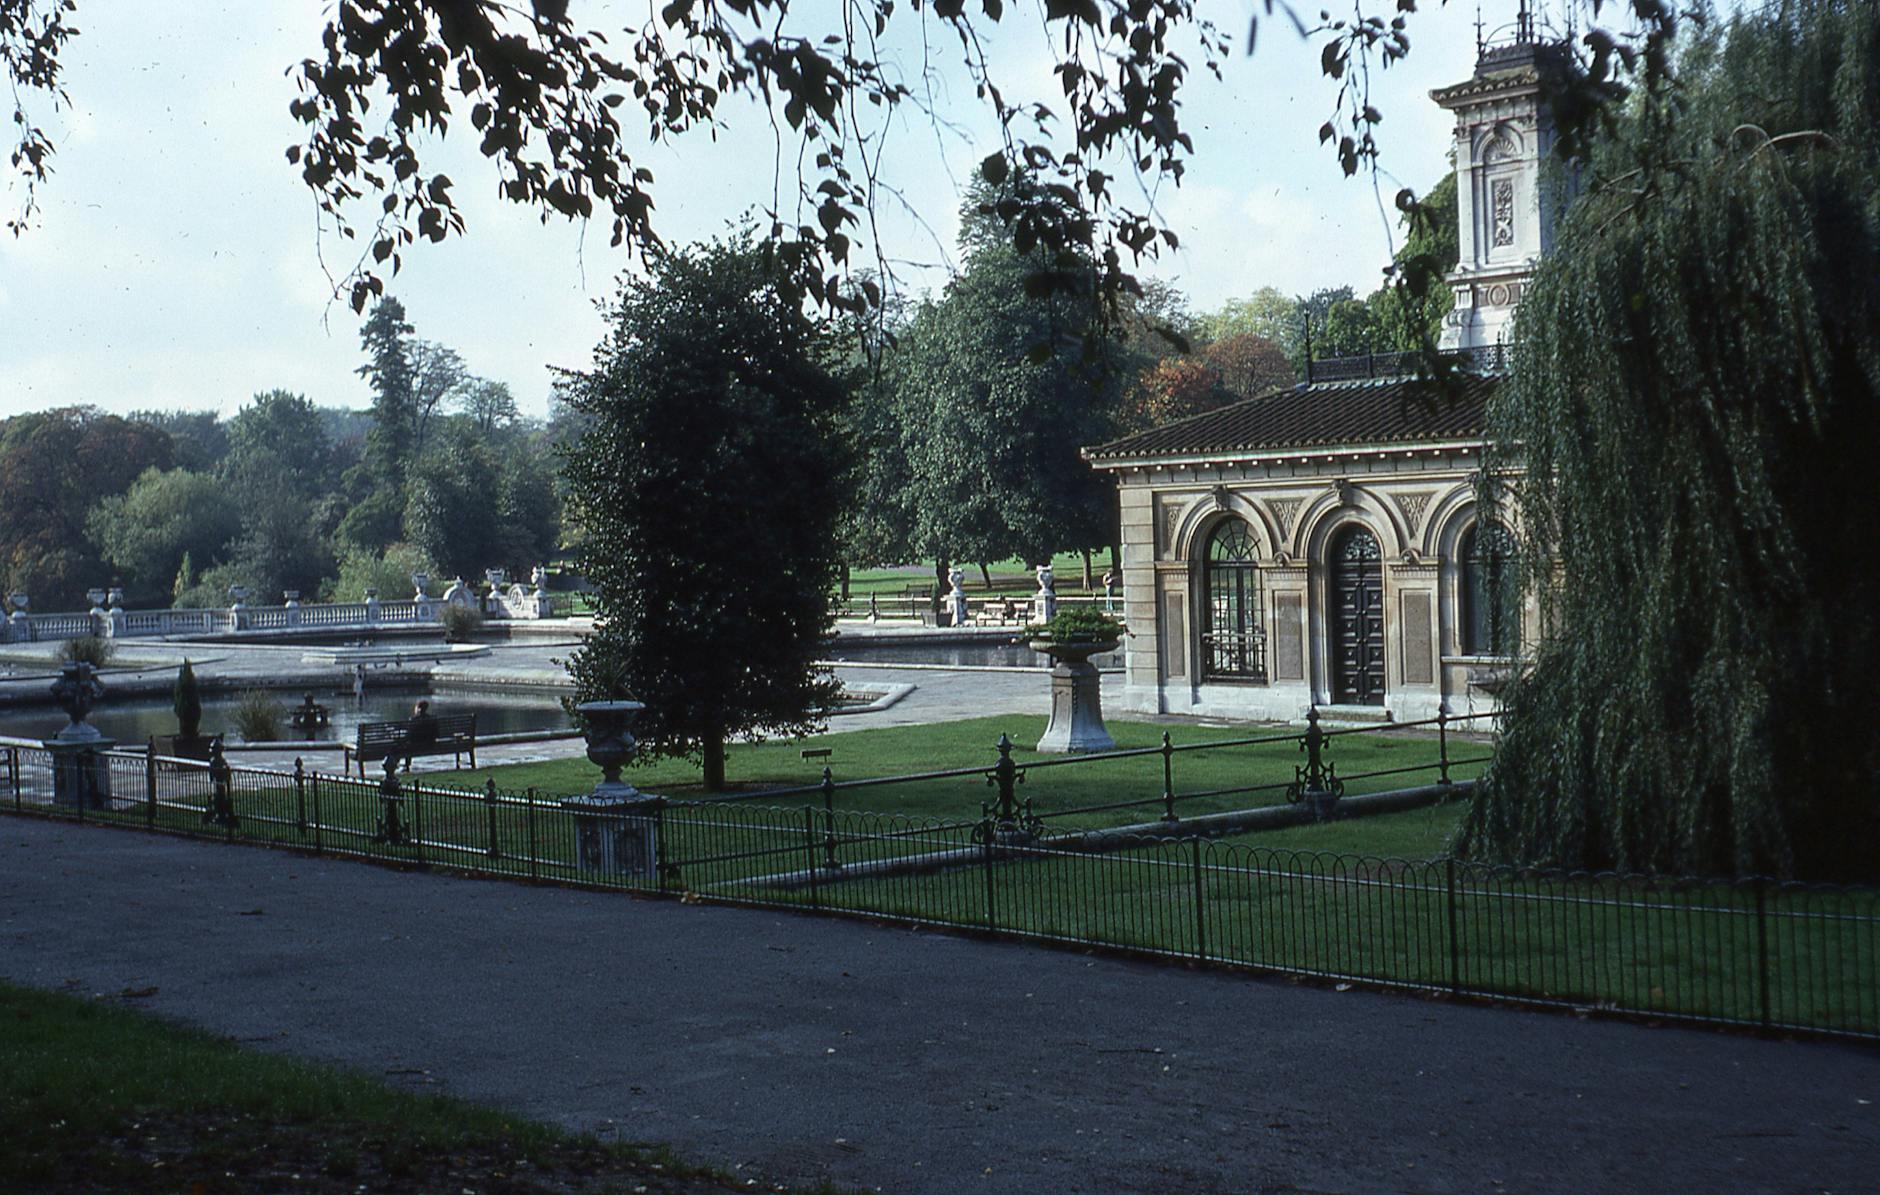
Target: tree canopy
[(707, 481), (547, 102), (994, 387), (1696, 403)]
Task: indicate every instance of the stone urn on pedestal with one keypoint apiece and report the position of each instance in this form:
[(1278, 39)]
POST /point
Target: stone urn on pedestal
[(1076, 695), (81, 774), (616, 825)]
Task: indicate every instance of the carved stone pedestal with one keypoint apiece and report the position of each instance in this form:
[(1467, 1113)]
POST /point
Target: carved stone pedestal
[(1076, 698)]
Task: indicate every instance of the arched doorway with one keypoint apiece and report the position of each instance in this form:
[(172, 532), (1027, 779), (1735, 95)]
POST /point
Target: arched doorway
[(1357, 618)]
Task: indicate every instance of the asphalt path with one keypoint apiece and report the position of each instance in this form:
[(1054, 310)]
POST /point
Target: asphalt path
[(795, 1048)]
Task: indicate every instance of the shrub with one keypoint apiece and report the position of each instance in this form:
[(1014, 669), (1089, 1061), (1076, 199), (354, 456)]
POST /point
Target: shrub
[(88, 649), (257, 716), (460, 622), (1077, 622), (186, 700)]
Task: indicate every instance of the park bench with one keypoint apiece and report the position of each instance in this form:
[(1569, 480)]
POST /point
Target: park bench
[(445, 734)]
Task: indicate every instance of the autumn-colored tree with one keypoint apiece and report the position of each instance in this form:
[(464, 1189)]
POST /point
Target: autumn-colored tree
[(1248, 364), (1172, 388)]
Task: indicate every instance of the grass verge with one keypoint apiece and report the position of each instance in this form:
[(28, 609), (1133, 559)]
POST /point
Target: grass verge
[(103, 1098)]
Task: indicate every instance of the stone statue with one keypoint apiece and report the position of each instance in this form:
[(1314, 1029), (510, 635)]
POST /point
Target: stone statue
[(1044, 606)]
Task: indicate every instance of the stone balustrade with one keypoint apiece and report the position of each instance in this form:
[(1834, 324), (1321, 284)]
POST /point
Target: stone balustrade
[(113, 621)]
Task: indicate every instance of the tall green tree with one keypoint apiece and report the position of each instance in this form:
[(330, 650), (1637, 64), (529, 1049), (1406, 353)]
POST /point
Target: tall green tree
[(452, 516), (1696, 404), (1409, 315), (54, 466), (389, 370), (164, 519), (996, 386), (707, 489)]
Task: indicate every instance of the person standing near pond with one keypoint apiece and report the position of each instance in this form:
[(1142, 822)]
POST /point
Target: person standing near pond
[(420, 732)]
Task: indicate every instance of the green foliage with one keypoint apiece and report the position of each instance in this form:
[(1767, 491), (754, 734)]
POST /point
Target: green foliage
[(164, 518), (994, 388), (385, 337), (461, 623), (1696, 402), (54, 466), (1075, 622), (1409, 315), (257, 716), (707, 483), (389, 573), (95, 650), (452, 511), (186, 700)]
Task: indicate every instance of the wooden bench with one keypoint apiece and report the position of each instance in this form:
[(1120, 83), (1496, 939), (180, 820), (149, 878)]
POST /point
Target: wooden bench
[(445, 734)]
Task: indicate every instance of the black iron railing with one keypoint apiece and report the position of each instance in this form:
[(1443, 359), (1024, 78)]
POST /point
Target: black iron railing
[(1494, 358), (1749, 952)]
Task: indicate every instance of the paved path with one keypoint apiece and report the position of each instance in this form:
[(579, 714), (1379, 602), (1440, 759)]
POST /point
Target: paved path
[(800, 1048)]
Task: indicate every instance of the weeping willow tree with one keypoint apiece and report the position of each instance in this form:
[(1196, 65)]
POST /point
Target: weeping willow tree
[(1695, 417)]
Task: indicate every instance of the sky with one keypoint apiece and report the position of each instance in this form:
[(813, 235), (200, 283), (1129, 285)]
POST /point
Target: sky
[(178, 262)]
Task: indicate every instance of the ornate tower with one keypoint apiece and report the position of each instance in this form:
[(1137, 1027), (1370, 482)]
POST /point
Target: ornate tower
[(1505, 209)]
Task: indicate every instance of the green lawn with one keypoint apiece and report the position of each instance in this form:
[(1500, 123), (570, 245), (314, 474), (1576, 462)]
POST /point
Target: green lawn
[(1372, 897), (103, 1098), (1230, 777), (1068, 567)]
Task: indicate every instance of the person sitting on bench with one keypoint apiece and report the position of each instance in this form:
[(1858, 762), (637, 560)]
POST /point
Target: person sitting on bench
[(421, 733)]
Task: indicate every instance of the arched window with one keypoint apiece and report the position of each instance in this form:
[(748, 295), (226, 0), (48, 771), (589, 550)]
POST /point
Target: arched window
[(1233, 643), (1491, 592)]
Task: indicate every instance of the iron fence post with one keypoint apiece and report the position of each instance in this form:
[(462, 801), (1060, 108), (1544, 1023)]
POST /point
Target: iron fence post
[(417, 820), (809, 851), (150, 781), (489, 809), (1762, 950), (1168, 779), (1455, 947), (1201, 924), (13, 766), (1442, 744), (319, 838), (1005, 774), (986, 833), (535, 863), (300, 795), (829, 821)]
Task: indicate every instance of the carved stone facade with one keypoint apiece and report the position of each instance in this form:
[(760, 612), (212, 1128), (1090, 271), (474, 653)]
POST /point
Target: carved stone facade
[(1507, 193), (1417, 502)]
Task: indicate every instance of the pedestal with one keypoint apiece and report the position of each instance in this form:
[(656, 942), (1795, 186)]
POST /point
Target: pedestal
[(616, 837), (1076, 700), (81, 774)]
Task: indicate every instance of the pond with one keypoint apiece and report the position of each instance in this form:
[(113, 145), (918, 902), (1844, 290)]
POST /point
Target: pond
[(132, 719), (981, 654)]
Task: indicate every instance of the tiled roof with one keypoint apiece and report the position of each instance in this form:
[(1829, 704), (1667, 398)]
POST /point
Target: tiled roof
[(1364, 412)]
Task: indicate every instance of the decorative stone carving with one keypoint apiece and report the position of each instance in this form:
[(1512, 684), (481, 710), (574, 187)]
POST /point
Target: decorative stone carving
[(1044, 605), (956, 597), (1501, 147), (1347, 493), (1171, 521), (1223, 498), (616, 826), (1413, 505), (1501, 204), (1285, 510)]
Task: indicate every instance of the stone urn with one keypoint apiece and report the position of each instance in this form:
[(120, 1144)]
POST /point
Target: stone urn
[(616, 825), (81, 773), (1076, 695)]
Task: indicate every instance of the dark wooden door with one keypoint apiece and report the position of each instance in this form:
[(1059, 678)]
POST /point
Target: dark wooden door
[(1357, 599)]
